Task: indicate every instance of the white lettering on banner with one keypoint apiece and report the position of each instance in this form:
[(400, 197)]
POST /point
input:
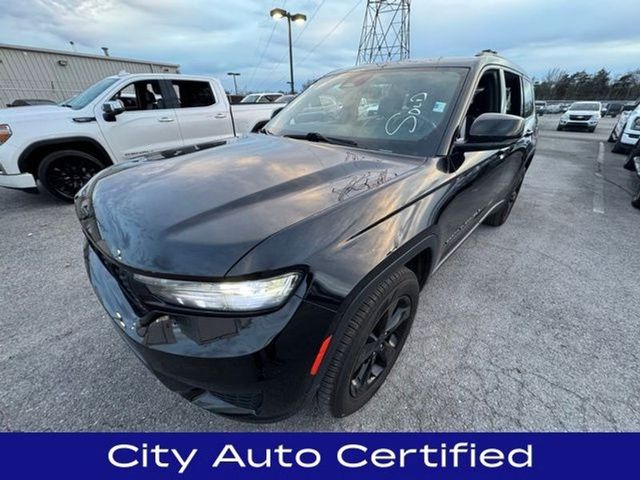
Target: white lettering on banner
[(120, 456), (279, 456)]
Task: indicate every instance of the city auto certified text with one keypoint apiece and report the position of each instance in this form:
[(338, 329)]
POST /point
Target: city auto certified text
[(353, 455)]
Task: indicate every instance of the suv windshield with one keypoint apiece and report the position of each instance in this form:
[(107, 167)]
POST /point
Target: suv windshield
[(83, 99), (400, 110), (585, 106)]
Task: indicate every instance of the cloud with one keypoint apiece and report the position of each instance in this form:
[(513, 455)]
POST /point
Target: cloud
[(213, 37)]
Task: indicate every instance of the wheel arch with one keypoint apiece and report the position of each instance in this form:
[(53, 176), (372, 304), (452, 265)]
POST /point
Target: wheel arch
[(32, 155)]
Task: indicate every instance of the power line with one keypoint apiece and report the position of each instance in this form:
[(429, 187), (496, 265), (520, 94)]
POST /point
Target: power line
[(295, 40), (266, 47), (335, 27)]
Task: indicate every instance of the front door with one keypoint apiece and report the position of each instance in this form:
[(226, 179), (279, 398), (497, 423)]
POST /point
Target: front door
[(146, 125)]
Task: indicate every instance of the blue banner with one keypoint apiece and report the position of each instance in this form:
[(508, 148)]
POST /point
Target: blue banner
[(318, 455)]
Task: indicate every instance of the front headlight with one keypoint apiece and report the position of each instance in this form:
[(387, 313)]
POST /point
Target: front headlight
[(5, 133), (636, 124), (232, 296)]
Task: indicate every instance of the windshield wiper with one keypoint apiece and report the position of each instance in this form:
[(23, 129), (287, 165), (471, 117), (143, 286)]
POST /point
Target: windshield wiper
[(318, 137), (65, 105)]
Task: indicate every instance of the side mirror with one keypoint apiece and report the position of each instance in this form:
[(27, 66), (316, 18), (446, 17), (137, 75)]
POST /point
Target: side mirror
[(491, 131), (276, 112), (111, 109)]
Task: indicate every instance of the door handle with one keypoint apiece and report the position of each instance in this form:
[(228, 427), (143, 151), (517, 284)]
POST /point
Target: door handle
[(220, 115), (165, 119)]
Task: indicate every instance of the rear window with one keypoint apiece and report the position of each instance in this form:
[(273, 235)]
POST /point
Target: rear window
[(193, 93)]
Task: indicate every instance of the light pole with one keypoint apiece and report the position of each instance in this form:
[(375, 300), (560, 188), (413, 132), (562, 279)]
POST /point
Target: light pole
[(277, 14), (234, 75)]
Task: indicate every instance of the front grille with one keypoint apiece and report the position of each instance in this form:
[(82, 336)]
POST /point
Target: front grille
[(579, 117)]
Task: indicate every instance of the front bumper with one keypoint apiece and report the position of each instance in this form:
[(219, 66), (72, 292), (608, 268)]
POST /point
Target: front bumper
[(21, 181), (629, 139), (254, 368), (578, 123)]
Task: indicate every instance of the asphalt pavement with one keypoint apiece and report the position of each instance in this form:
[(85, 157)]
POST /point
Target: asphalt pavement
[(531, 326)]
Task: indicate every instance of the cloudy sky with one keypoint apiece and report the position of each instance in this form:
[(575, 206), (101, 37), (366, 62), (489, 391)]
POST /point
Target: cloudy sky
[(215, 36)]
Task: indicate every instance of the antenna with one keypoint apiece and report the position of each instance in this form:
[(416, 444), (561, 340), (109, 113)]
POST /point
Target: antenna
[(385, 31)]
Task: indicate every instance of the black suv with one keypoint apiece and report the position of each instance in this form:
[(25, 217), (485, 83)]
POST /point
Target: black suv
[(288, 264)]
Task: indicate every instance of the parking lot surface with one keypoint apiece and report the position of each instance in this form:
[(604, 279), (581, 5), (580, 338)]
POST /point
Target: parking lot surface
[(531, 326)]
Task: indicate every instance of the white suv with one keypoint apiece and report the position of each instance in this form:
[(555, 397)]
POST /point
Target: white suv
[(629, 134), (584, 115)]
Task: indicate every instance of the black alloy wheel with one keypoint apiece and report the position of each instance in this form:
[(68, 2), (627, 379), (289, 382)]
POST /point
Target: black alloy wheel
[(370, 343), (64, 173), (381, 348)]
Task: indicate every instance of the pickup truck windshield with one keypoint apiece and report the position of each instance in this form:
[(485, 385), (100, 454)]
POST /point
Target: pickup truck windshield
[(585, 106), (400, 110), (86, 97)]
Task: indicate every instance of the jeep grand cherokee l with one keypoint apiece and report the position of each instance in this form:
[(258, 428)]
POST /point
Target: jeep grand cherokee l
[(288, 264)]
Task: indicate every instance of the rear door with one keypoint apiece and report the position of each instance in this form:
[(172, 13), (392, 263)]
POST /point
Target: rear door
[(147, 125), (202, 117)]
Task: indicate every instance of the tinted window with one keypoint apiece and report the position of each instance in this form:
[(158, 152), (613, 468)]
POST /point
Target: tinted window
[(192, 93), (513, 91), (142, 95), (528, 98)]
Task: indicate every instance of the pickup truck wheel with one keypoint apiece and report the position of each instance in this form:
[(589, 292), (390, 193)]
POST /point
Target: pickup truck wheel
[(371, 344), (618, 147), (612, 137), (65, 172), (499, 217), (636, 200)]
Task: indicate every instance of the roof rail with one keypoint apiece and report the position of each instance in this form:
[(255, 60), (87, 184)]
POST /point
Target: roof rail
[(486, 51)]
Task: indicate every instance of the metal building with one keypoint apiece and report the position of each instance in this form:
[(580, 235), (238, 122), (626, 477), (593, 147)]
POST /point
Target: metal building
[(27, 72)]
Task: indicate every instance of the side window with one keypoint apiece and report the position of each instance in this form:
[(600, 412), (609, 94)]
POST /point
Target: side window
[(528, 102), (263, 99), (486, 98), (141, 95), (513, 93), (191, 93)]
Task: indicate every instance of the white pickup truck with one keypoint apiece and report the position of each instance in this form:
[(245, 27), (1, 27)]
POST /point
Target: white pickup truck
[(60, 147)]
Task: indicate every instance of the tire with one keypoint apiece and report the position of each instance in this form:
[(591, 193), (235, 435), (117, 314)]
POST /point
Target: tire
[(559, 128), (618, 147), (368, 348), (65, 172), (592, 129), (612, 137), (500, 216)]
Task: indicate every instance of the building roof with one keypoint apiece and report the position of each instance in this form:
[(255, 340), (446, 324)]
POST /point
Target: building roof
[(67, 53)]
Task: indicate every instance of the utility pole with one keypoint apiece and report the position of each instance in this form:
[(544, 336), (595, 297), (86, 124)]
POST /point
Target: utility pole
[(385, 32), (235, 84)]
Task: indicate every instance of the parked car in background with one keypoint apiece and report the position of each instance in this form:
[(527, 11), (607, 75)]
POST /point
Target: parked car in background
[(614, 109), (622, 120), (603, 109), (627, 131), (553, 108), (30, 102), (288, 265), (60, 147), (285, 98), (633, 164), (581, 115), (564, 107), (262, 98), (541, 107)]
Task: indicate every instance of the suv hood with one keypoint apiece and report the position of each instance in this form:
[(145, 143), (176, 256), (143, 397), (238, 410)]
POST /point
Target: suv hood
[(198, 214)]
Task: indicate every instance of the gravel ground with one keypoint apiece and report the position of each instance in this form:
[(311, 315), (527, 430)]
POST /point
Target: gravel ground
[(531, 326)]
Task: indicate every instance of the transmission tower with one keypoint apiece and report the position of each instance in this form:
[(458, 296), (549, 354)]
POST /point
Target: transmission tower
[(385, 31)]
